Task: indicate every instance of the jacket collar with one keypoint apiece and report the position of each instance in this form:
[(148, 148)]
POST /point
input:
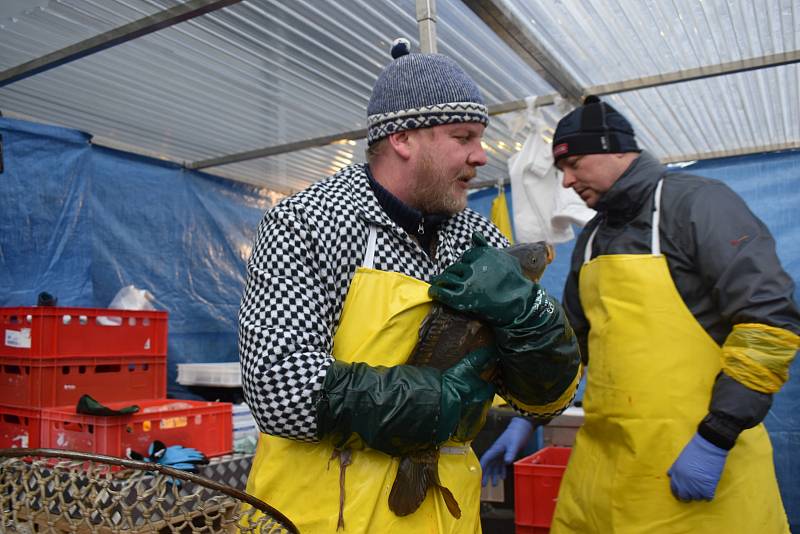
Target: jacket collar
[(625, 199), (363, 196), (378, 206)]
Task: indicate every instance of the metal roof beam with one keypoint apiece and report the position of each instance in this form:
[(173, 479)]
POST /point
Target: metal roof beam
[(697, 73), (122, 34), (716, 154), (771, 60), (505, 107), (278, 149), (514, 32), (697, 156)]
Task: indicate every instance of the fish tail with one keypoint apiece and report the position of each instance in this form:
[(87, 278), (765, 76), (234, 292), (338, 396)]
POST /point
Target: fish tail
[(410, 486)]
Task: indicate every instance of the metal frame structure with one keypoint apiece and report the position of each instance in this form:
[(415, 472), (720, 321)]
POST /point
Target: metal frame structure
[(123, 34), (496, 14), (512, 31)]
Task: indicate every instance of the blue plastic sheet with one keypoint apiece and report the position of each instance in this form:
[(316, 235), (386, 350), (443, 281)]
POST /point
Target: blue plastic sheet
[(81, 222), (45, 226)]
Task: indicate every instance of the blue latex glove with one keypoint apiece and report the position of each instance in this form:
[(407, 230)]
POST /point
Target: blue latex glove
[(695, 474), (176, 456), (505, 450)]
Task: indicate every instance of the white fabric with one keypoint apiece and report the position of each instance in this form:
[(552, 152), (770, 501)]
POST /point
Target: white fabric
[(543, 209)]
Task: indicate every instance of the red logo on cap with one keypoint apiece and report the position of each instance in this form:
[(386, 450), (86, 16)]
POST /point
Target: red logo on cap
[(563, 148)]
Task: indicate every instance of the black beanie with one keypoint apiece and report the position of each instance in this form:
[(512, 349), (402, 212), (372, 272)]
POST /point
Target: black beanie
[(594, 128)]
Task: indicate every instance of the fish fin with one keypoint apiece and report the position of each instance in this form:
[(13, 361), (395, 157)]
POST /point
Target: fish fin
[(450, 501), (345, 459), (410, 486), (428, 321), (551, 253), (430, 332)]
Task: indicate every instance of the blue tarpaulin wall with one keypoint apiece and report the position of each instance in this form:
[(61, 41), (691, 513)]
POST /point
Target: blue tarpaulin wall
[(81, 222), (770, 184)]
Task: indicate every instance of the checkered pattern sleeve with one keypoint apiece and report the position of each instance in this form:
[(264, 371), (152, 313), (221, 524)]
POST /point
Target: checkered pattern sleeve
[(284, 332)]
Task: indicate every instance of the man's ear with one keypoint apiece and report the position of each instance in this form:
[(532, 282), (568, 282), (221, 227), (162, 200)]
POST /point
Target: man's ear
[(401, 143)]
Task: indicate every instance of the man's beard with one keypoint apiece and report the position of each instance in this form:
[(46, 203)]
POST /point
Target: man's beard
[(436, 192)]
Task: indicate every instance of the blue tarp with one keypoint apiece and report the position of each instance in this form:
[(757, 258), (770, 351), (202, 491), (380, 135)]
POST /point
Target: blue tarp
[(770, 184), (81, 222)]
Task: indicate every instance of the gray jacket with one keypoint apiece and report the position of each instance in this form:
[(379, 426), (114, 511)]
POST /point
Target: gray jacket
[(721, 257)]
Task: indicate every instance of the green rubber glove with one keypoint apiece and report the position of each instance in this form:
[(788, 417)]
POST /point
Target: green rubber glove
[(466, 397), (89, 406), (487, 283), (402, 409), (537, 349)]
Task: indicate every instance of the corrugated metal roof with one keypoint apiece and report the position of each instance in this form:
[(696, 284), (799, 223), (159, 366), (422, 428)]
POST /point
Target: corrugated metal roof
[(604, 41), (262, 73)]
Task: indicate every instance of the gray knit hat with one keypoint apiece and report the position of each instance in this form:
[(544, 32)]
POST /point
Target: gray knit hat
[(420, 91)]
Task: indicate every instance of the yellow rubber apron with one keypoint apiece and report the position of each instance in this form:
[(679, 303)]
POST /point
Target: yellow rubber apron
[(380, 320), (649, 384)]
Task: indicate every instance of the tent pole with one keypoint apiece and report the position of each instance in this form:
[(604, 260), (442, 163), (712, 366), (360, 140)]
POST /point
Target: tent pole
[(426, 18)]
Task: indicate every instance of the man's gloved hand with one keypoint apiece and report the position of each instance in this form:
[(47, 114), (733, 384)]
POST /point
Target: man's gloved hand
[(466, 395), (696, 473), (176, 456), (485, 282), (505, 449), (402, 409), (537, 350)]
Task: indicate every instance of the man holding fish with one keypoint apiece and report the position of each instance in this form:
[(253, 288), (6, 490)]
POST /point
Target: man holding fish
[(341, 277)]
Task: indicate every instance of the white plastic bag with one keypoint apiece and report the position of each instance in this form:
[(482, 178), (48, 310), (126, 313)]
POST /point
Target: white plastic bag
[(132, 298), (128, 298)]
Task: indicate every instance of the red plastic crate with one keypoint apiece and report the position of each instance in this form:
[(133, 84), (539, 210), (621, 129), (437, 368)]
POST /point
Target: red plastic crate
[(522, 529), (48, 382), (19, 427), (537, 479), (54, 332), (205, 426)]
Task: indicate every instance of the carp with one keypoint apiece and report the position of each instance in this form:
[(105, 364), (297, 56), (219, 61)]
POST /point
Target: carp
[(446, 336)]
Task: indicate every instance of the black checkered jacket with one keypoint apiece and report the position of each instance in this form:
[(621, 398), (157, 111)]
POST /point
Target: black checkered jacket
[(305, 254)]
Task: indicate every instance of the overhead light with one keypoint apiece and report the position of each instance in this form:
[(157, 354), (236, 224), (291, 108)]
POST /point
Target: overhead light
[(344, 142)]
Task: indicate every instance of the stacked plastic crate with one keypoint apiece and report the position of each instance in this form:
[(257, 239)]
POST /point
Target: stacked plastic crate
[(51, 356)]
